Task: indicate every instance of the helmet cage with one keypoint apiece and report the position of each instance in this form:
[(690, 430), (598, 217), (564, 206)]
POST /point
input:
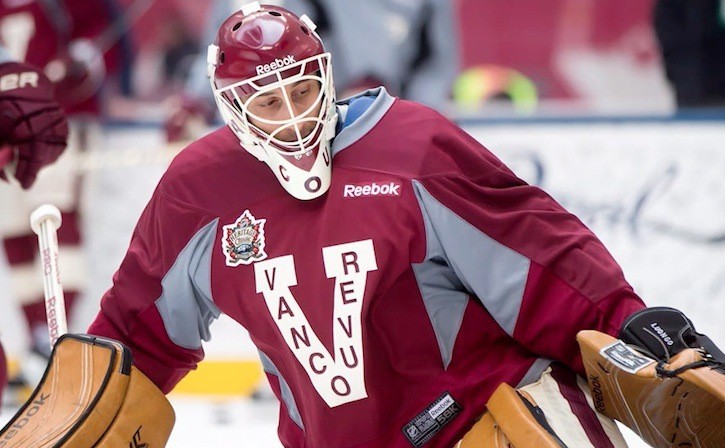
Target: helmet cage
[(233, 100)]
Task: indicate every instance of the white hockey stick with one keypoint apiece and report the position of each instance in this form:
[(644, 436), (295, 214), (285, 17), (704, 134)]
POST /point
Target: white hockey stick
[(45, 221)]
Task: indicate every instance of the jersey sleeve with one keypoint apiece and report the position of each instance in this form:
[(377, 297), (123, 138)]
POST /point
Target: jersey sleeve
[(160, 304), (538, 270)]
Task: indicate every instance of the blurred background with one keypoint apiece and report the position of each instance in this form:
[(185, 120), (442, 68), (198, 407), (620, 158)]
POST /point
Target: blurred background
[(616, 108), (467, 57)]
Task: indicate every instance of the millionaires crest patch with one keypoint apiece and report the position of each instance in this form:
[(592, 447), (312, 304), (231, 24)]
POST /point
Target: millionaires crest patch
[(243, 241)]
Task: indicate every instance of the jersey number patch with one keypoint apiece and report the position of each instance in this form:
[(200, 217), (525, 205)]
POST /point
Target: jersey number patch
[(339, 376)]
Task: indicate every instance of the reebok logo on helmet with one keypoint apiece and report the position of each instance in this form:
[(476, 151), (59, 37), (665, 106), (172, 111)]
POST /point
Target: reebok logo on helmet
[(274, 65)]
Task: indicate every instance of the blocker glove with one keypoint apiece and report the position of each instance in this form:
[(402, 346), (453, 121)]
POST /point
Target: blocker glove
[(31, 121)]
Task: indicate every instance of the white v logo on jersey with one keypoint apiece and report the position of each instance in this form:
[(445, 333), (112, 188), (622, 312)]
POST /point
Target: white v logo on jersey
[(339, 376)]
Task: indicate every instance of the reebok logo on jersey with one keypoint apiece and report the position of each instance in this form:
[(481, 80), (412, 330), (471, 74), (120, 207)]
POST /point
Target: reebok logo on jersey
[(371, 189), (274, 65)]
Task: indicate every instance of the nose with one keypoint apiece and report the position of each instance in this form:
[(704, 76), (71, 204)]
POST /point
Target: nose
[(289, 134), (299, 109), (292, 111)]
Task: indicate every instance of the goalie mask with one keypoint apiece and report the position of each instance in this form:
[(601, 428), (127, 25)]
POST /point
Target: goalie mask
[(272, 82)]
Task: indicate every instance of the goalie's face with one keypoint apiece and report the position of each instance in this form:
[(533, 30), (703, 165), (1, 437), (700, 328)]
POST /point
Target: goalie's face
[(287, 114)]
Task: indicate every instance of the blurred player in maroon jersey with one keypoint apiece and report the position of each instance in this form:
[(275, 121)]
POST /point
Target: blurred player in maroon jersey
[(76, 44)]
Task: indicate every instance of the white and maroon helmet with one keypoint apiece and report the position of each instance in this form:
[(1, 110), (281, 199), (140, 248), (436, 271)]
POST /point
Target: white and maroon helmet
[(258, 50)]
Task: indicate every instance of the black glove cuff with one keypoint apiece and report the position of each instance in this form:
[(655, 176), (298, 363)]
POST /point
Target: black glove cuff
[(661, 331)]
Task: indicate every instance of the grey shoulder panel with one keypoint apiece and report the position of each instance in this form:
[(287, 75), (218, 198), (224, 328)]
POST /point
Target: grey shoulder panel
[(186, 304), (366, 122), (486, 268), (445, 302), (287, 397)]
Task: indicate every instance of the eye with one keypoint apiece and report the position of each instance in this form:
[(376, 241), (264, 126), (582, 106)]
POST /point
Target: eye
[(267, 102), (301, 91)]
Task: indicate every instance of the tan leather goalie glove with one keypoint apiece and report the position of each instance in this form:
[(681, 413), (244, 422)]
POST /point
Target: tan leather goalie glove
[(662, 379), (91, 396)]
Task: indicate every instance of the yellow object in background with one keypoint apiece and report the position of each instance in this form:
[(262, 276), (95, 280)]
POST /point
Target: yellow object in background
[(233, 377), (223, 377), (18, 390), (477, 85)]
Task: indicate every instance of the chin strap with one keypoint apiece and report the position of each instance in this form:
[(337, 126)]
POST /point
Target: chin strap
[(331, 127), (252, 146)]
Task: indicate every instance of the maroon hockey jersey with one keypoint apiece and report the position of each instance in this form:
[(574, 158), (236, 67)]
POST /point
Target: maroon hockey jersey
[(385, 311)]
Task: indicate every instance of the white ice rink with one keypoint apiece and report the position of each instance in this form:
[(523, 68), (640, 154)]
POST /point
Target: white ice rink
[(666, 268)]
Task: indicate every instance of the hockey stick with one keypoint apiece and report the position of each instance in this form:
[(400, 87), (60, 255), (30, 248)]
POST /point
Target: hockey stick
[(90, 395), (45, 221)]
